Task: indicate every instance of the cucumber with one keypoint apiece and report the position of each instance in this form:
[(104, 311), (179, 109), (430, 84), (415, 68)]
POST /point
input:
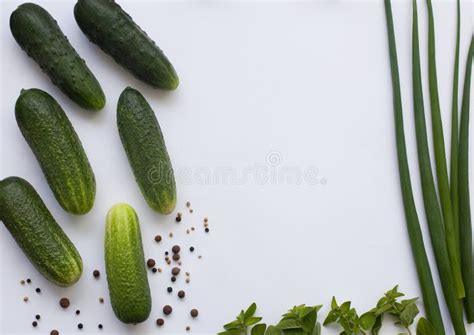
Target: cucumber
[(39, 236), (58, 150), (106, 24), (39, 35), (146, 151), (125, 265)]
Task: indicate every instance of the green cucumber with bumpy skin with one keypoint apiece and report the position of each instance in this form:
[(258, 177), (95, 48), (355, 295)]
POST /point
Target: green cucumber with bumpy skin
[(106, 24), (39, 35), (146, 151), (58, 149), (37, 233), (125, 265)]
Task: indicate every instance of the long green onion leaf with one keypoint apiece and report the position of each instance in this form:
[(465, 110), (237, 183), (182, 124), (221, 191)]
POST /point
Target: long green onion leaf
[(430, 198), (454, 129), (440, 159), (464, 200), (414, 231)]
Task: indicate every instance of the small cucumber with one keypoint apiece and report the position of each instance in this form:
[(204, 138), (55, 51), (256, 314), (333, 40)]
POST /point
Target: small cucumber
[(106, 24), (58, 150), (146, 151), (39, 35), (39, 236), (125, 265)]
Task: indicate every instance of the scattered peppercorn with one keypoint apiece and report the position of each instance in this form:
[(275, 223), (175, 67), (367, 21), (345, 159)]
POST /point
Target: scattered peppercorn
[(37, 316), (167, 253), (181, 294), (171, 235), (180, 263), (188, 280), (78, 312), (80, 326), (25, 299), (169, 289), (187, 231), (154, 270), (150, 263), (160, 322), (191, 249), (167, 310), (158, 238), (188, 328), (64, 302), (100, 326), (192, 228), (200, 256), (96, 273), (173, 279), (206, 219), (101, 300), (22, 282), (178, 219), (176, 257), (34, 323), (188, 204), (28, 281), (176, 249), (180, 214), (191, 211), (175, 271), (54, 332), (38, 290), (187, 274), (206, 230), (194, 312)]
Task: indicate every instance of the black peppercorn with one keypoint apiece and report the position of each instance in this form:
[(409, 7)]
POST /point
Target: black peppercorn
[(176, 249), (181, 294), (34, 323), (80, 326), (160, 322), (175, 271), (64, 302), (169, 289), (167, 310), (150, 263), (37, 317), (191, 249), (194, 312)]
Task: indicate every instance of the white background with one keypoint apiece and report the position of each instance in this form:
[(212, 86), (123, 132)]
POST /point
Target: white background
[(293, 84)]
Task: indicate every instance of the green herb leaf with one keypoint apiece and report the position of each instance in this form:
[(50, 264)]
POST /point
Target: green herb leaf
[(259, 329), (250, 311), (425, 327), (367, 320), (252, 320), (272, 330)]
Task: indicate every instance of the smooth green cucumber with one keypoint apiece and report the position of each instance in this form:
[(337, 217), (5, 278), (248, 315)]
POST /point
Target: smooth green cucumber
[(125, 265), (39, 35), (106, 24), (58, 150), (37, 233), (146, 151)]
